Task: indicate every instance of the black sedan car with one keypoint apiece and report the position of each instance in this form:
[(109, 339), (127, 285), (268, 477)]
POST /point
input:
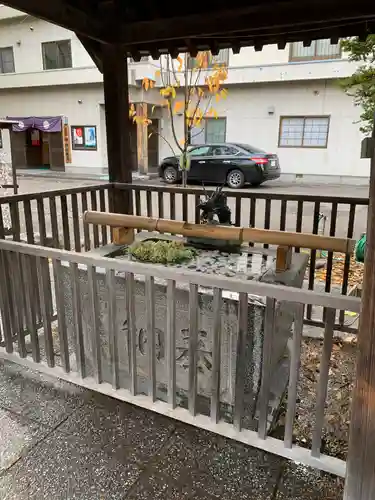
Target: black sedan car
[(230, 163)]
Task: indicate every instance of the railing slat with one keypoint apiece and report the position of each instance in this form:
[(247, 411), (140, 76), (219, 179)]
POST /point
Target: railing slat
[(150, 315), (216, 361), (15, 218), (44, 284), (283, 211), (18, 301), (31, 284), (76, 298), (161, 204), (86, 229), (267, 217), (237, 219), (299, 220), (185, 213), (295, 361), (54, 223), (313, 255), (61, 321), (41, 221), (252, 215), (172, 206), (76, 221), (149, 203), (269, 332), (323, 382), (28, 222), (5, 298), (197, 212), (344, 288), (332, 232), (240, 360), (95, 325), (65, 221), (132, 331), (103, 209), (112, 329), (193, 347), (171, 341), (95, 229)]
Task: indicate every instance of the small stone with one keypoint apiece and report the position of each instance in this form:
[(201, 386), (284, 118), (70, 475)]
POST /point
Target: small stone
[(230, 274), (320, 263), (192, 266)]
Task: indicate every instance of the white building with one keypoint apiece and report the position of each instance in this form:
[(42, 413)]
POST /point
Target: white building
[(285, 101)]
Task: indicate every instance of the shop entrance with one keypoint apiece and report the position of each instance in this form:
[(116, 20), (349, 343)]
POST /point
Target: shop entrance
[(37, 143)]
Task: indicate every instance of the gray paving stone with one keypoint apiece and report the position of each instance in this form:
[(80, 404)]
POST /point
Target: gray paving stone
[(38, 397), (301, 482), (68, 468), (160, 487), (17, 436), (245, 473), (121, 430)]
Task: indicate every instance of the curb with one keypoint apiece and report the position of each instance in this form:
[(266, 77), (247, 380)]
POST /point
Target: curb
[(79, 177)]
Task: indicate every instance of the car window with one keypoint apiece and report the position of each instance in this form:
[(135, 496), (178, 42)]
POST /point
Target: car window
[(224, 151), (250, 149), (202, 151)]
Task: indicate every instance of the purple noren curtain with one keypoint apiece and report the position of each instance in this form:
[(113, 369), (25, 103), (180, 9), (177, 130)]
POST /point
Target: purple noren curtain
[(43, 123)]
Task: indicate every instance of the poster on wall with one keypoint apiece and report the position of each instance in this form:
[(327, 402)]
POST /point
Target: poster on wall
[(77, 133), (90, 137), (84, 137), (66, 142)]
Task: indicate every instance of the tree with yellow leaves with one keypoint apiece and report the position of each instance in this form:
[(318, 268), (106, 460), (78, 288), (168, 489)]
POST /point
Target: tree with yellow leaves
[(189, 87)]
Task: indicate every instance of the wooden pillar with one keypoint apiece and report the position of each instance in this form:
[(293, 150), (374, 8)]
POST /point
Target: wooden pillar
[(360, 475), (116, 100), (142, 139)]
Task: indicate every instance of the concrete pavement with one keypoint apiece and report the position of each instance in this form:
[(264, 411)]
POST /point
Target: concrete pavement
[(60, 442)]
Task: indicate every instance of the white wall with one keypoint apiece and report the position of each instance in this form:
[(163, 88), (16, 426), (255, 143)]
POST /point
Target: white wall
[(60, 101), (248, 121)]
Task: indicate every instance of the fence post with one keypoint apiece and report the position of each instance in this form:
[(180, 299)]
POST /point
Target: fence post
[(360, 483)]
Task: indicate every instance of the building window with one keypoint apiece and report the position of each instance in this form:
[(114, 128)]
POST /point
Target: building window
[(57, 54), (212, 131), (84, 137), (303, 131), (318, 50), (208, 60), (6, 60)]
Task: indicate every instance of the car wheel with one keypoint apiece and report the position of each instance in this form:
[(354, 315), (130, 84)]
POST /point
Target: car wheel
[(235, 179), (170, 174)]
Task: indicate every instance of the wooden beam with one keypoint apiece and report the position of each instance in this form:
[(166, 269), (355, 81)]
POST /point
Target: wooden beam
[(118, 125), (94, 49), (360, 476), (60, 13), (254, 19)]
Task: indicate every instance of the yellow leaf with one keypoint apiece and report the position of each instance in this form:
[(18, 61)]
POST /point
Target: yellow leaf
[(178, 106), (182, 142), (153, 109), (146, 83), (149, 135), (217, 97), (157, 74), (180, 61)]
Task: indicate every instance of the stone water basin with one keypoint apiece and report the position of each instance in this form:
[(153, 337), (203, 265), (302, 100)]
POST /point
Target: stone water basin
[(249, 264)]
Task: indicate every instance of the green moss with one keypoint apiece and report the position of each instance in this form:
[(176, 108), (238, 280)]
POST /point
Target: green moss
[(161, 252)]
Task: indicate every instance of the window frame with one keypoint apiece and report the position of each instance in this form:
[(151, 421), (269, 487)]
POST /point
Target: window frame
[(83, 147), (56, 42), (304, 118), (1, 60), (315, 57), (208, 119)]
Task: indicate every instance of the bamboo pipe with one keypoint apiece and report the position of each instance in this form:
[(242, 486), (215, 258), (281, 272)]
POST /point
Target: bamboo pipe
[(240, 234)]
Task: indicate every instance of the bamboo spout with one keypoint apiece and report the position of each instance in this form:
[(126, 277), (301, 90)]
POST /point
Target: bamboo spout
[(240, 234)]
